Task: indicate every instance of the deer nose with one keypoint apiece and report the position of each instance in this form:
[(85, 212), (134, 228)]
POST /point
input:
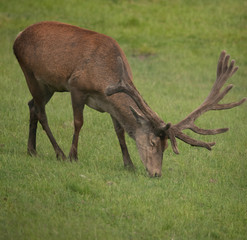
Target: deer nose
[(157, 174)]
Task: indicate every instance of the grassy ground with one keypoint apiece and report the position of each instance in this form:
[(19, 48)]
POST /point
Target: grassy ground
[(173, 47)]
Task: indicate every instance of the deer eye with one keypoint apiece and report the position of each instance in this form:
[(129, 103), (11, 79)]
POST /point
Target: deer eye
[(153, 142)]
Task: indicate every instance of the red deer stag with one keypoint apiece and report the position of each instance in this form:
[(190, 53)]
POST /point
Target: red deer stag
[(57, 57)]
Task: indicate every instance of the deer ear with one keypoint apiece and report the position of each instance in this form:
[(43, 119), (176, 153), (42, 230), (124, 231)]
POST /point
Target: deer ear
[(141, 120)]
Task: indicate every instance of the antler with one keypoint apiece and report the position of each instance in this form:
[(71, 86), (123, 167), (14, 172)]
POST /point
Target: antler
[(224, 71)]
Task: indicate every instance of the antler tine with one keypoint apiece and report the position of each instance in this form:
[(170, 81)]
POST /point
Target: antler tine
[(194, 142), (172, 137), (224, 71)]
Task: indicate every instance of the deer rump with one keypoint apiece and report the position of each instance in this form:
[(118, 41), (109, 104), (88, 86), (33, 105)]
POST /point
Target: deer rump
[(57, 57)]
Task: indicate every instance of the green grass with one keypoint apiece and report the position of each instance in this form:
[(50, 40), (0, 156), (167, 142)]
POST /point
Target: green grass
[(173, 48)]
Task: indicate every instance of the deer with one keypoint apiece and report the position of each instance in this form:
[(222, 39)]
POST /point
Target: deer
[(59, 57)]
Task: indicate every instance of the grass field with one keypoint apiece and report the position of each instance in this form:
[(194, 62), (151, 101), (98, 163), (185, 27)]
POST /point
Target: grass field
[(173, 48)]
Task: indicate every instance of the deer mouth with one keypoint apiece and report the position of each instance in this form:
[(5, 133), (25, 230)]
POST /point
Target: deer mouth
[(154, 174)]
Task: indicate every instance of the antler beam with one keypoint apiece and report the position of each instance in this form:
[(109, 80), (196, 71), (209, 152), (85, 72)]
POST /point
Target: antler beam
[(125, 87)]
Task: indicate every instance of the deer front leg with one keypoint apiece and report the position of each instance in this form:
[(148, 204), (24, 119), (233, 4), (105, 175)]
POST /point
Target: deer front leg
[(78, 103), (121, 138)]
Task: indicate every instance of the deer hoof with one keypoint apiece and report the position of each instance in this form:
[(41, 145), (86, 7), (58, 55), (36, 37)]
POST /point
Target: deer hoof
[(130, 167), (61, 156), (32, 152), (73, 156)]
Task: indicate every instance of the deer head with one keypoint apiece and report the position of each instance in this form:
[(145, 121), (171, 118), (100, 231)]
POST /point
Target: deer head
[(152, 139), (151, 144)]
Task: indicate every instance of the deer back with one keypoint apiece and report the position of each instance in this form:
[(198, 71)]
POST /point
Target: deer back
[(57, 52)]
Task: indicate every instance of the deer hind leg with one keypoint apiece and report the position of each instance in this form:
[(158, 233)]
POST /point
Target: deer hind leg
[(78, 103), (31, 146), (44, 123), (41, 95), (33, 124), (121, 138)]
